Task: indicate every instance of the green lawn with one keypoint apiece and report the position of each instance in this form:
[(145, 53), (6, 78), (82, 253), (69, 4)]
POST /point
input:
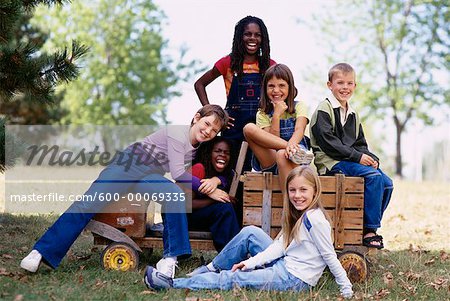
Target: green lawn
[(414, 266)]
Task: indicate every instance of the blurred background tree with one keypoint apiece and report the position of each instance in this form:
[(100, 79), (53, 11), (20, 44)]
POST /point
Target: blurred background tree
[(127, 78), (400, 50), (29, 76)]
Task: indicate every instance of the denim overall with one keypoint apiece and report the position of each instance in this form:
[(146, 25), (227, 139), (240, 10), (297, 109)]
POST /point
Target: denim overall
[(242, 103), (287, 129)]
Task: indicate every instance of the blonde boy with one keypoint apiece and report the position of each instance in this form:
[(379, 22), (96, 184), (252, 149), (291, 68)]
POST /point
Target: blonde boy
[(339, 146)]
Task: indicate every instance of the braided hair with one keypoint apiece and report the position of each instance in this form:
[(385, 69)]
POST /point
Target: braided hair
[(238, 50)]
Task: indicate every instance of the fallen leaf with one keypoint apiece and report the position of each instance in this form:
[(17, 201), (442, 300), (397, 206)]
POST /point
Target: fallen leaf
[(4, 272), (388, 279), (417, 249), (191, 299), (410, 275), (18, 298), (147, 292), (80, 279), (443, 255), (438, 283), (427, 232), (99, 283), (7, 256), (382, 293), (429, 262)]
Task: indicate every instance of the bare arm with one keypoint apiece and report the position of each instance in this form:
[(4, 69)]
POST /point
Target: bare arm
[(202, 82)]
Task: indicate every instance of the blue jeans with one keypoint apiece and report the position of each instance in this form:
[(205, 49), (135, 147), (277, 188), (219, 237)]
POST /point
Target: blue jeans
[(378, 189), (250, 241), (139, 178), (218, 218)]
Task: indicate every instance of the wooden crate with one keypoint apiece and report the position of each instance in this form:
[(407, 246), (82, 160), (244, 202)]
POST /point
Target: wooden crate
[(342, 197), (128, 217)]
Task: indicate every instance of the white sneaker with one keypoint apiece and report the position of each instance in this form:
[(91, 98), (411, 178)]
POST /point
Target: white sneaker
[(167, 267), (32, 261), (302, 157)]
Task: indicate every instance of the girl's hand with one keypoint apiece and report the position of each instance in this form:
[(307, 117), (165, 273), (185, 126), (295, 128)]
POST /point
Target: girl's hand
[(291, 149), (220, 196), (238, 266), (230, 123), (209, 185), (279, 108)]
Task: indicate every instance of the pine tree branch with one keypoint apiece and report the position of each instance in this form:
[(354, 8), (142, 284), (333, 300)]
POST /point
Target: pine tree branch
[(62, 67)]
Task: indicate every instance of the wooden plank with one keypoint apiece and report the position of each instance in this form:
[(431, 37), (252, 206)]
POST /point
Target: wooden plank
[(267, 204), (338, 220), (351, 237), (255, 181), (239, 166), (156, 242), (254, 199), (352, 219)]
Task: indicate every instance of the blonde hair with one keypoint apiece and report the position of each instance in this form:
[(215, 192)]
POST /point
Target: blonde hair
[(292, 218), (341, 67)]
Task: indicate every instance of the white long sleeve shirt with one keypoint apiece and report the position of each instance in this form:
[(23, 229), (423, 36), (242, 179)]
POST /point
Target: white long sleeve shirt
[(307, 258)]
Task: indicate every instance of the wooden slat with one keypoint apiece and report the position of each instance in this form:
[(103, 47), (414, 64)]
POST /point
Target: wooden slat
[(351, 237), (255, 181), (254, 199), (239, 166), (266, 203), (338, 223), (156, 242), (352, 219)]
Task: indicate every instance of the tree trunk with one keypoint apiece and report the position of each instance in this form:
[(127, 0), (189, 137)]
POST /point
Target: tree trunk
[(398, 155)]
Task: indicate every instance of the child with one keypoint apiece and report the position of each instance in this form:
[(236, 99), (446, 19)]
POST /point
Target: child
[(242, 72), (277, 139), (295, 260), (166, 150), (215, 173), (339, 146)]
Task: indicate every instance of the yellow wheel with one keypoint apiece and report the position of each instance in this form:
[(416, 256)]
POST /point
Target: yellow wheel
[(119, 256), (355, 265)]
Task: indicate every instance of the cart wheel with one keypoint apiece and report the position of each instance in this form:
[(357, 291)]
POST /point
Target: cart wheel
[(355, 265), (119, 256)]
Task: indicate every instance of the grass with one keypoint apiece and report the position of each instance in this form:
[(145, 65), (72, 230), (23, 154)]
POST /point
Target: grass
[(414, 266)]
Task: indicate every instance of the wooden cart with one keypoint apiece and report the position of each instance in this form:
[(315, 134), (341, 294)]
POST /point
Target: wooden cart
[(124, 232)]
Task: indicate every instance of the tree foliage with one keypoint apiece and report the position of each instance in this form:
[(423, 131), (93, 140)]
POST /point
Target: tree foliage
[(127, 78), (25, 74), (400, 50)]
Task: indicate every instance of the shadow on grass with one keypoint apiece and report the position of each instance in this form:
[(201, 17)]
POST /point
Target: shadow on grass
[(407, 274)]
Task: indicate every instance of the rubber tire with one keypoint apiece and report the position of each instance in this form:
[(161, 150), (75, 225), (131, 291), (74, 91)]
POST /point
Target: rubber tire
[(356, 266), (119, 256)]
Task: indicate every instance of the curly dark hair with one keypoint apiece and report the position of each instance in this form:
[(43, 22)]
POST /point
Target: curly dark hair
[(238, 49), (204, 156)]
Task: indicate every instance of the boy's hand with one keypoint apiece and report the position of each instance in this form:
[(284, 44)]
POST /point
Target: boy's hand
[(368, 161)]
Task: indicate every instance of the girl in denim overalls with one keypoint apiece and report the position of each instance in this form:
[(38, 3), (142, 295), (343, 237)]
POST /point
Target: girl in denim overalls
[(277, 139), (242, 72)]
